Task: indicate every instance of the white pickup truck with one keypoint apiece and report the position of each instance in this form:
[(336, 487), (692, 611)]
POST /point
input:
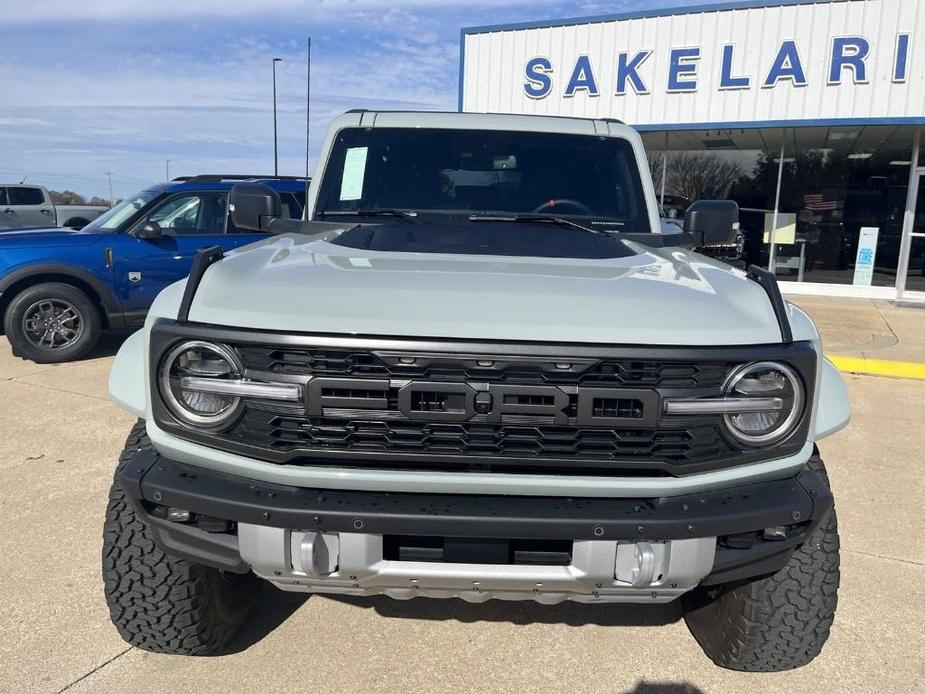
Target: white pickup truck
[(24, 206)]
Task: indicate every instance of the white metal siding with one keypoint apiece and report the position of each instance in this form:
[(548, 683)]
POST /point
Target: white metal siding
[(494, 62)]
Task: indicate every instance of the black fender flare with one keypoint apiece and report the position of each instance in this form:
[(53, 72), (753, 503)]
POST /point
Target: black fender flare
[(108, 300)]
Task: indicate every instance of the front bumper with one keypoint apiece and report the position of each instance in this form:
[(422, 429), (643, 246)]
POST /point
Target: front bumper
[(620, 550)]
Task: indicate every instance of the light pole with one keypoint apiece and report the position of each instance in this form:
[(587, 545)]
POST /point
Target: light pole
[(167, 167), (112, 201), (275, 144)]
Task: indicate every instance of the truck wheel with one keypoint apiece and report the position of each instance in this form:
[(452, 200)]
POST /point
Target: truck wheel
[(776, 623), (77, 223), (52, 322), (160, 603)]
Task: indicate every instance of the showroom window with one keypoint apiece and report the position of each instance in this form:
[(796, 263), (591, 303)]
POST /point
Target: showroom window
[(841, 199)]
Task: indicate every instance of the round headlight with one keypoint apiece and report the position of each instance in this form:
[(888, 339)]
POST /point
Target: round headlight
[(190, 364), (769, 382)]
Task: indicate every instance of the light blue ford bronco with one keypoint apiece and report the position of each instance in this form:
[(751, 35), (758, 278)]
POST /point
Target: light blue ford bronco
[(478, 368)]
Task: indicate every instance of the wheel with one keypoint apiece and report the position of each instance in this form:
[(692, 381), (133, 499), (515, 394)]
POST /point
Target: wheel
[(776, 623), (77, 223), (160, 603), (52, 322)]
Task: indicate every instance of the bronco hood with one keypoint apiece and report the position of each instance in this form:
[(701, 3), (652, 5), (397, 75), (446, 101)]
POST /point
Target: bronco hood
[(658, 297), (50, 236)]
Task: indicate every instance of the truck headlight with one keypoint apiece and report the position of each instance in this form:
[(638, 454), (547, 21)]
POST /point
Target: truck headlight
[(191, 362), (767, 383)]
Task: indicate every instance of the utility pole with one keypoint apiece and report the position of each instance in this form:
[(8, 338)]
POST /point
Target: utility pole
[(308, 106), (167, 167), (275, 144), (112, 202)]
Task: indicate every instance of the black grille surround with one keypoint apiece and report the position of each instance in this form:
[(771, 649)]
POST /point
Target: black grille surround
[(452, 405)]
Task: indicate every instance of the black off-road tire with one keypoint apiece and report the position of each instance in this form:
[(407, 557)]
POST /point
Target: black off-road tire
[(76, 223), (64, 294), (160, 603), (776, 623)]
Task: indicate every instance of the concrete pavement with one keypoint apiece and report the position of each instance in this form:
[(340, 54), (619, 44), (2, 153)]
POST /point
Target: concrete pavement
[(59, 438), (868, 329)]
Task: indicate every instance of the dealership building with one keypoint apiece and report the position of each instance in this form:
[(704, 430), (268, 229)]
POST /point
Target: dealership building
[(810, 114)]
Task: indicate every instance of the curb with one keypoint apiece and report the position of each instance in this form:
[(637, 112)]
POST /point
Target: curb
[(879, 367)]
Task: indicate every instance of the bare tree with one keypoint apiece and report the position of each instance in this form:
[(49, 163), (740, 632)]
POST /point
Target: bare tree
[(696, 176), (67, 197), (96, 200), (656, 166)]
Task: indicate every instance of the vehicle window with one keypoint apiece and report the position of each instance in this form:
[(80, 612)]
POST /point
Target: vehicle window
[(292, 204), (123, 212), (194, 213), (25, 196), (3, 196), (592, 180)]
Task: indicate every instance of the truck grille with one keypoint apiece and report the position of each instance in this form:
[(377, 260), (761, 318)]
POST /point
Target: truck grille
[(573, 415), (514, 447), (463, 368), (467, 406)]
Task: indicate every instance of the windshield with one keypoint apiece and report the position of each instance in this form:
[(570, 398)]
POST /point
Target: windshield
[(447, 173), (118, 215)]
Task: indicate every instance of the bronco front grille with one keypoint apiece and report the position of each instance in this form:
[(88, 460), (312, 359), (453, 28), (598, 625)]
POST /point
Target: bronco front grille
[(446, 405), (464, 368), (444, 445), (576, 415)]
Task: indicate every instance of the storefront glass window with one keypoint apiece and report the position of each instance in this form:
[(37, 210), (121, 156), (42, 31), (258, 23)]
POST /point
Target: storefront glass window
[(835, 182)]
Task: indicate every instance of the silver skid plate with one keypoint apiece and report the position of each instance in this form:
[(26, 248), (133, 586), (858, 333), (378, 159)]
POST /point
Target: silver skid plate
[(353, 564)]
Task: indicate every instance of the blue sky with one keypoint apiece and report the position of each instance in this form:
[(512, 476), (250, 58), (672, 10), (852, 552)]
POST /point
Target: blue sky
[(123, 85)]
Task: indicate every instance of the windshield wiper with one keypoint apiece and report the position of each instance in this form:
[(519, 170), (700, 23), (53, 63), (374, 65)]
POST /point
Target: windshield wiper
[(535, 219), (373, 212)]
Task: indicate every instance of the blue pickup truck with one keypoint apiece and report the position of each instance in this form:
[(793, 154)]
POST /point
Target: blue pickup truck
[(60, 287)]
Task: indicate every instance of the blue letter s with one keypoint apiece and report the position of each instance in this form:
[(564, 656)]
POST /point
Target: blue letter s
[(539, 83)]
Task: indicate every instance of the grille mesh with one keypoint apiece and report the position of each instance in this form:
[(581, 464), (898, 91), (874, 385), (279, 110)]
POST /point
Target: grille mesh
[(351, 433), (521, 443), (602, 372)]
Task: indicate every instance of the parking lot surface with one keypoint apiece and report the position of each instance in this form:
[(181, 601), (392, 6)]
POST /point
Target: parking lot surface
[(59, 439)]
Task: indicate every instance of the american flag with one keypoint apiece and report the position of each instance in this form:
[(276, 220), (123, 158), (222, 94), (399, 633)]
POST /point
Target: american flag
[(815, 202)]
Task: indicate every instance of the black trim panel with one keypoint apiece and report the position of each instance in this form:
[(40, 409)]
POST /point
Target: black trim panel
[(768, 282), (205, 257), (768, 352), (743, 509)]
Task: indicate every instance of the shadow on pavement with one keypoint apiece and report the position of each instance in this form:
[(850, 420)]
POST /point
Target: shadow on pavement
[(272, 609), (109, 343), (664, 688), (571, 614)]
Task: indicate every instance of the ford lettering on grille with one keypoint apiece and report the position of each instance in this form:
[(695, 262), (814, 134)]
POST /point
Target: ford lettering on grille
[(486, 402)]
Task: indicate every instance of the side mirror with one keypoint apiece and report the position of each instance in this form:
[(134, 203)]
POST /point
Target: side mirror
[(253, 206), (149, 230), (712, 222)]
